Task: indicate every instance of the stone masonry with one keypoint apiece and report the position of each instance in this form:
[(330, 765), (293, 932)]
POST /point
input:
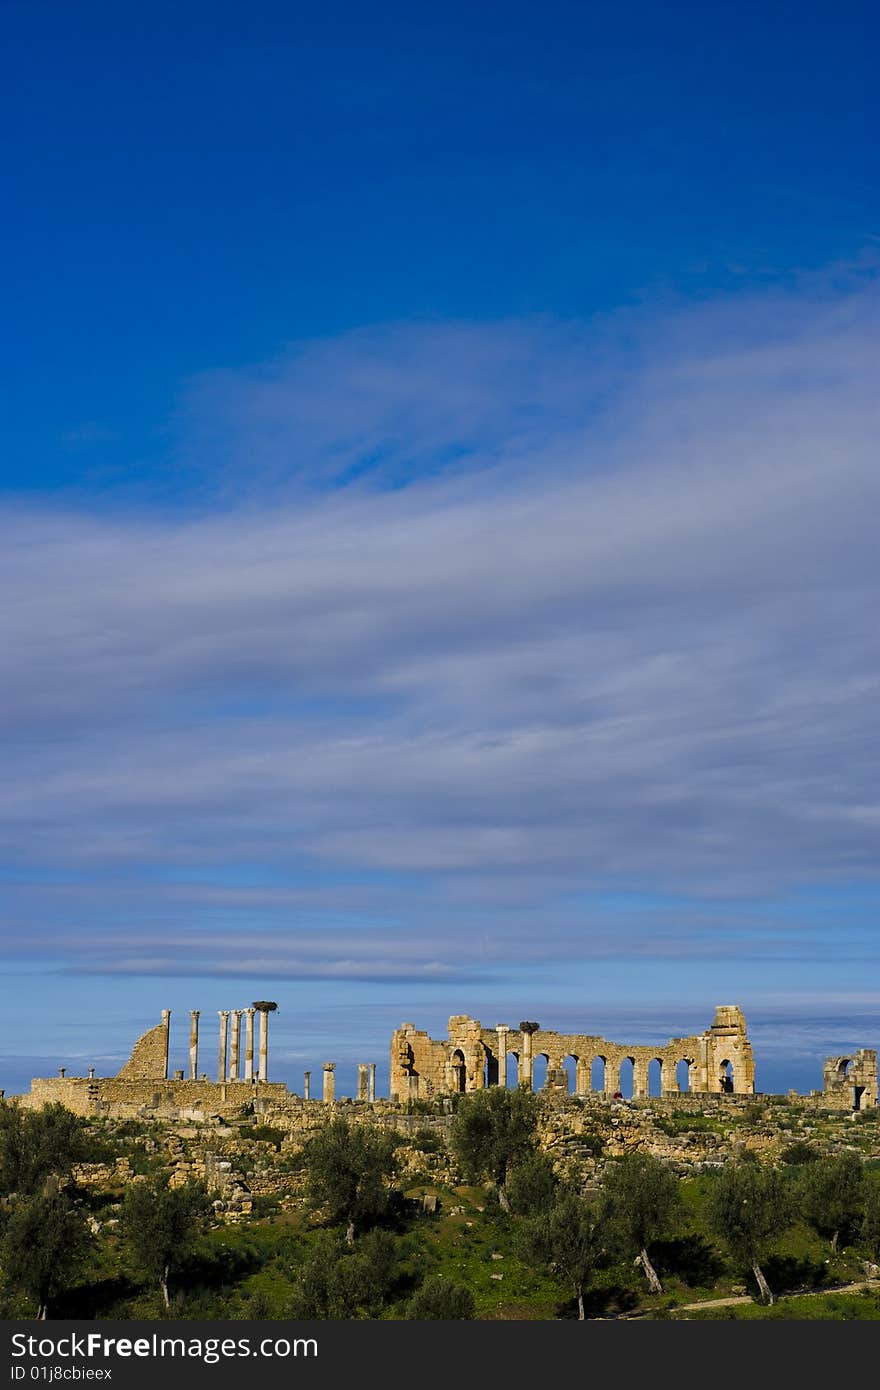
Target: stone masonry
[(717, 1061)]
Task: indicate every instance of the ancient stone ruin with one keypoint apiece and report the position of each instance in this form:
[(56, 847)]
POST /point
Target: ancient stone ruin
[(717, 1061)]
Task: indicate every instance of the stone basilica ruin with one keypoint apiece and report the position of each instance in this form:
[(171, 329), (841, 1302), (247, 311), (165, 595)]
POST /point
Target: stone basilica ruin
[(716, 1063)]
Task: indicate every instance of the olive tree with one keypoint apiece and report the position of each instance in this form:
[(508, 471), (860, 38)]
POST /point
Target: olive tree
[(643, 1203), (493, 1130), (159, 1225), (748, 1209), (349, 1169)]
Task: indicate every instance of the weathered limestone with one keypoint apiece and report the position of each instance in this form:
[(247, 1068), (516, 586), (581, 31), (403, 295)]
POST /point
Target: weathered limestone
[(718, 1060), (526, 1059), (329, 1083), (235, 1044), (249, 1044), (264, 1007), (371, 1089), (851, 1081), (221, 1056), (193, 1044), (502, 1031), (362, 1081), (307, 1085), (149, 1056)]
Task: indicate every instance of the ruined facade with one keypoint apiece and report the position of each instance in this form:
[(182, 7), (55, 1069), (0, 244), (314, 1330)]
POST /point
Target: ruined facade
[(851, 1082), (716, 1061)]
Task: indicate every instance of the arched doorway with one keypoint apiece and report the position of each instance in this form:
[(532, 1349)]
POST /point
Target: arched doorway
[(511, 1070), (539, 1071), (458, 1070), (655, 1077), (626, 1075), (725, 1077), (597, 1074), (570, 1067), (683, 1075)]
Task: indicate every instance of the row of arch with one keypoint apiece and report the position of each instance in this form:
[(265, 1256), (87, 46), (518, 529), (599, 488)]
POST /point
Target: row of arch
[(600, 1078)]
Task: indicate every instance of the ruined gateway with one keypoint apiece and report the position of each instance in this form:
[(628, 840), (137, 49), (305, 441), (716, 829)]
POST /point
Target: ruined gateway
[(716, 1063)]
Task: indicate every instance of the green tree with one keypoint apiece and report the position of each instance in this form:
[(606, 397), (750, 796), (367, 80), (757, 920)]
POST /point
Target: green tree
[(37, 1143), (567, 1238), (493, 1130), (159, 1225), (832, 1196), (350, 1168), (869, 1234), (438, 1300), (340, 1281), (748, 1209), (44, 1245), (532, 1185), (643, 1203)]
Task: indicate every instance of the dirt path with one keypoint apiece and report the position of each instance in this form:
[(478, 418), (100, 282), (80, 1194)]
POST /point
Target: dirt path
[(746, 1298)]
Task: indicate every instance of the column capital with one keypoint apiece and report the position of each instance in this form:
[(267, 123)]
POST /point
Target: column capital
[(194, 1013), (223, 1013), (329, 1066)]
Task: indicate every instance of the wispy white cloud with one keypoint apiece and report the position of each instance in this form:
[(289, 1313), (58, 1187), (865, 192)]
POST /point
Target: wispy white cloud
[(617, 628)]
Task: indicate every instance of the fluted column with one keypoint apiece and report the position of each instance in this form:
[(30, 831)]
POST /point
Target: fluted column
[(264, 1044), (224, 1029), (307, 1085), (193, 1044), (525, 1060), (371, 1087), (502, 1031), (249, 1044), (235, 1044), (329, 1082), (166, 1023)]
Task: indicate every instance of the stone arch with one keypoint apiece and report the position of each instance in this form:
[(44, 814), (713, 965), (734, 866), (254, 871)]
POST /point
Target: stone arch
[(457, 1071), (626, 1073), (570, 1066), (655, 1076), (599, 1074), (511, 1071), (726, 1081), (844, 1067), (683, 1074), (540, 1066)]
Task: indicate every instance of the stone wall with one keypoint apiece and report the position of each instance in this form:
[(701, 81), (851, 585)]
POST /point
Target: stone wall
[(472, 1057), (121, 1097), (149, 1056), (851, 1082)]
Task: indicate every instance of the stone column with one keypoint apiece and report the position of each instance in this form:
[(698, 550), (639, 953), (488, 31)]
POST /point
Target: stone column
[(525, 1060), (371, 1087), (307, 1085), (221, 1063), (362, 1081), (264, 1044), (329, 1083), (502, 1030), (640, 1080), (249, 1044), (235, 1044), (193, 1044), (166, 1024)]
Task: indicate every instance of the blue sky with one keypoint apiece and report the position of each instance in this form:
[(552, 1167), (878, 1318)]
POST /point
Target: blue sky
[(437, 498)]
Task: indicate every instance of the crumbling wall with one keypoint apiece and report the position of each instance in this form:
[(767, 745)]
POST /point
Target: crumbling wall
[(850, 1082), (149, 1056), (473, 1056)]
